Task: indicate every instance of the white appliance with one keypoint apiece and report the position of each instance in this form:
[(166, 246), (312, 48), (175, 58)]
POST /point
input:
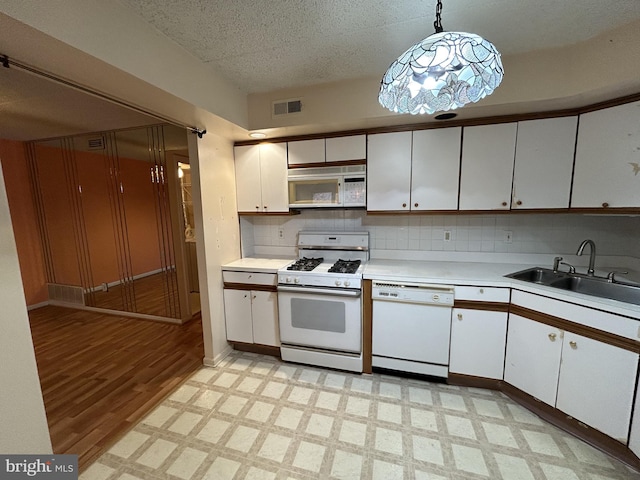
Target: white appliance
[(320, 300), (412, 327), (327, 186)]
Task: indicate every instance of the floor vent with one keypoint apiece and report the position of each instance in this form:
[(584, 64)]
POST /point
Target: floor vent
[(96, 143), (66, 293), (286, 107)]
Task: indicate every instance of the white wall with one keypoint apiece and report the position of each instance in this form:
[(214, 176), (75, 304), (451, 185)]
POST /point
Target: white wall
[(23, 424), (217, 232), (541, 80)]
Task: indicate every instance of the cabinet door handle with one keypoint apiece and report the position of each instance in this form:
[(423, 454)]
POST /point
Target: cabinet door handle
[(605, 204), (245, 295), (552, 337), (265, 207), (254, 297), (573, 345), (404, 205), (519, 202), (257, 207), (415, 204), (459, 316)]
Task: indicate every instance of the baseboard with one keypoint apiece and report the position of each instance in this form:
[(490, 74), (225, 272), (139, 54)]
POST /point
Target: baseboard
[(38, 305), (255, 348), (476, 382), (99, 288), (119, 313)]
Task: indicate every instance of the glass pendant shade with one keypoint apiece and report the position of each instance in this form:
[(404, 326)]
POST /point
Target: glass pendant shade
[(442, 72)]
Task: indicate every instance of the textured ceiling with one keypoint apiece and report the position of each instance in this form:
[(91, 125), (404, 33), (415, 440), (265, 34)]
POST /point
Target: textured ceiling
[(265, 45)]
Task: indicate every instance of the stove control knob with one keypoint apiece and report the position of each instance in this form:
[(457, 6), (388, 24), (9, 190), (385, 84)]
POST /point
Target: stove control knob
[(338, 282), (347, 283), (296, 280), (288, 279)]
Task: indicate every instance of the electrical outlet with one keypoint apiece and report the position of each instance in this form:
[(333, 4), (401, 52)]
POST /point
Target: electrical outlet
[(280, 233), (447, 236), (508, 236)]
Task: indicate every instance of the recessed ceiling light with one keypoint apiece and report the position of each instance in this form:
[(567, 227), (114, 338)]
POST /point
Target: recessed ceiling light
[(258, 135), (446, 116)]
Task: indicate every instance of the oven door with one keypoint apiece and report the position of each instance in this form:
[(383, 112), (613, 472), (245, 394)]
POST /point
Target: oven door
[(325, 318)]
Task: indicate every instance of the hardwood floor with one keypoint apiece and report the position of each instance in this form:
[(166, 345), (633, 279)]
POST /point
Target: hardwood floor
[(100, 373)]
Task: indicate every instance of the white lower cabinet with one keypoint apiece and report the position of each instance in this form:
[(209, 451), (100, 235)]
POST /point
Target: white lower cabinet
[(596, 384), (589, 380), (532, 361), (478, 342), (634, 435), (251, 316)]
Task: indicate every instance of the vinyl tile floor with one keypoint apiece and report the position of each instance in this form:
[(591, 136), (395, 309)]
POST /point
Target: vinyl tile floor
[(255, 417)]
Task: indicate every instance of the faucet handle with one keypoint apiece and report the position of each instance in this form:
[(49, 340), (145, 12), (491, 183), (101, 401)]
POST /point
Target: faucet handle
[(556, 264), (572, 269), (611, 276)]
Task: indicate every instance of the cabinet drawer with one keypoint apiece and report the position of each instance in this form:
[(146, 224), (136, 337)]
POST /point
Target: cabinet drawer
[(482, 294), (252, 278)]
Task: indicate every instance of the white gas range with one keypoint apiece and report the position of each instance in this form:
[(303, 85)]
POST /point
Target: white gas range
[(320, 300)]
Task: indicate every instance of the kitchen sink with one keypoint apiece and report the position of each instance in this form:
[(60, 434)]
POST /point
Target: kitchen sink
[(539, 275), (573, 282)]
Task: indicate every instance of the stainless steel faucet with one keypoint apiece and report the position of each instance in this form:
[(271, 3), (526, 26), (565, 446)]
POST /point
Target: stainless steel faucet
[(592, 256)]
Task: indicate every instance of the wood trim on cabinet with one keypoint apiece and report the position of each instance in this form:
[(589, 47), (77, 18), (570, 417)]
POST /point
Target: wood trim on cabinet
[(475, 382), (341, 163), (571, 425), (608, 210), (455, 123), (476, 305), (257, 348), (367, 327), (250, 286), (585, 331)]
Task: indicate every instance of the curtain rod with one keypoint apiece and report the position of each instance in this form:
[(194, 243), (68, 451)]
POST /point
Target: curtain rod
[(7, 62)]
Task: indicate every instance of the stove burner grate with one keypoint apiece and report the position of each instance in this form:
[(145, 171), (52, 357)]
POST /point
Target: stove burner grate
[(305, 264), (345, 266)]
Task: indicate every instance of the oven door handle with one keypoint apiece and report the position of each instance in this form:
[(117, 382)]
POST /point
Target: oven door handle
[(321, 291)]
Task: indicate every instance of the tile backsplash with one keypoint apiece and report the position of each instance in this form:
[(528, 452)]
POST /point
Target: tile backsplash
[(502, 233)]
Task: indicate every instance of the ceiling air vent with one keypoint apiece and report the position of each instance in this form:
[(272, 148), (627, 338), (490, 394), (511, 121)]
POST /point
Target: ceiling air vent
[(286, 107), (96, 143)]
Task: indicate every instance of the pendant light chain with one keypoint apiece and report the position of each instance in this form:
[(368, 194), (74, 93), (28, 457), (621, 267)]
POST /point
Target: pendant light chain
[(438, 23)]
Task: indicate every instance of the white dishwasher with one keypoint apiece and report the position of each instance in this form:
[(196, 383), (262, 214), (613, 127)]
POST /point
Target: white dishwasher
[(412, 327)]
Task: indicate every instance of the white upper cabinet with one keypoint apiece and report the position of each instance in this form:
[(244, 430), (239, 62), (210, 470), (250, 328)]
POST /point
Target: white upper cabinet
[(435, 169), (261, 178), (341, 149), (306, 151), (544, 163), (607, 169), (389, 171), (487, 166), (413, 170)]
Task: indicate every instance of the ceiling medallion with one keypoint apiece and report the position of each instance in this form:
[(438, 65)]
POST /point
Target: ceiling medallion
[(444, 71)]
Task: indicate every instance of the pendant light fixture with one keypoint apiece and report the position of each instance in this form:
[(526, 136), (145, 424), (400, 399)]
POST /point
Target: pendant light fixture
[(444, 71)]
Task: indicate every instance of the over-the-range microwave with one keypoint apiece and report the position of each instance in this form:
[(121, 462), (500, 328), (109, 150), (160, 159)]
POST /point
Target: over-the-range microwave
[(344, 186)]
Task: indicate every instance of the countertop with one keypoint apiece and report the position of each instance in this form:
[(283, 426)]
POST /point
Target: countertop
[(261, 265), (485, 275)]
